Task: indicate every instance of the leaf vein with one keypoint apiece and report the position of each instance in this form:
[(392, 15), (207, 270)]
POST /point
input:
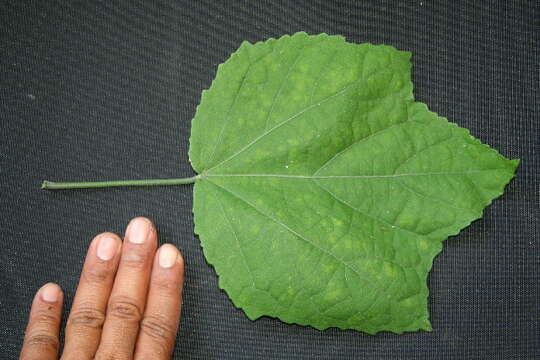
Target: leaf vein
[(228, 116), (365, 138), (431, 198), (351, 176), (237, 243), (277, 126), (283, 82), (298, 235), (393, 226)]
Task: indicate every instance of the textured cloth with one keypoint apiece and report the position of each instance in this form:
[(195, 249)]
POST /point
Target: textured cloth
[(107, 90)]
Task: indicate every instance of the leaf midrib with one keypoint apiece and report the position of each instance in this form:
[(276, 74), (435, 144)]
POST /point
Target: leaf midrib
[(352, 176)]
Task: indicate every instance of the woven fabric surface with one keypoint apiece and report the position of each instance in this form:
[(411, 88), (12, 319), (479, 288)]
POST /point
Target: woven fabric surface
[(107, 89)]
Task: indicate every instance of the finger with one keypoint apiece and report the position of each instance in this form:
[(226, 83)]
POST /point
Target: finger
[(128, 296), (41, 337), (162, 315), (85, 321)]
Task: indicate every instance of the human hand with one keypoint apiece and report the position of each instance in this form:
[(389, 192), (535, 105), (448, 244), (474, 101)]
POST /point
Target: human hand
[(127, 304)]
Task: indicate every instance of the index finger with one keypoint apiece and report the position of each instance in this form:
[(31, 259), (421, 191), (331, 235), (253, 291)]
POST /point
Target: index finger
[(162, 314)]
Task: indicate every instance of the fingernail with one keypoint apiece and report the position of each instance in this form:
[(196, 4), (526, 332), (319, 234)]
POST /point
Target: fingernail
[(167, 256), (50, 293), (107, 248), (138, 230)]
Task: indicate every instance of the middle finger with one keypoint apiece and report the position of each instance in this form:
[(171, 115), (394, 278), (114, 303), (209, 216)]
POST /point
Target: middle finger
[(128, 296)]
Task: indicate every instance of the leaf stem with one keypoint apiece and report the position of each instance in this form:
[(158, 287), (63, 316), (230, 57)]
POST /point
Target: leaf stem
[(50, 185)]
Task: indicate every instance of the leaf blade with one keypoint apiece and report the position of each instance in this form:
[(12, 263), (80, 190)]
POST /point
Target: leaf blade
[(330, 206)]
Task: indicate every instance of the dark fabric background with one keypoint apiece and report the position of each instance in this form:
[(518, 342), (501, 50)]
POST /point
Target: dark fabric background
[(107, 90)]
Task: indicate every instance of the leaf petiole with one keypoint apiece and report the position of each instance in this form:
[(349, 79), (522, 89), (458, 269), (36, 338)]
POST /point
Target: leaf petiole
[(50, 185)]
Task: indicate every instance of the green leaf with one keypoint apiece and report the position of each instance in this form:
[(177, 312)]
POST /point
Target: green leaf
[(325, 191)]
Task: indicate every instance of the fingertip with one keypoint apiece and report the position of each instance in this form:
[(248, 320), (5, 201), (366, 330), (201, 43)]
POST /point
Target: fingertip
[(142, 220), (141, 229), (107, 245), (169, 256), (104, 235), (108, 234), (50, 293)]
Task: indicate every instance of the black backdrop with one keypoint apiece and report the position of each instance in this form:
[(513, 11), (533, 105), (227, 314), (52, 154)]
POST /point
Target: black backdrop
[(107, 90)]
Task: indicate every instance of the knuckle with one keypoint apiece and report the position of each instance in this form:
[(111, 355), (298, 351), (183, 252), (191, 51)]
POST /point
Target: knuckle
[(42, 340), (157, 328), (135, 258), (97, 274), (164, 285), (86, 318), (46, 317), (125, 309)]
